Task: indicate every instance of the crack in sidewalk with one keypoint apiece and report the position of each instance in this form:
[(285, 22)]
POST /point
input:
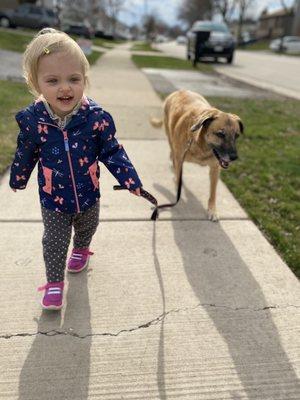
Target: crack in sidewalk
[(155, 321)]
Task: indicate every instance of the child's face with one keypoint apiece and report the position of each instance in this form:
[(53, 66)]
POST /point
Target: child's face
[(61, 81)]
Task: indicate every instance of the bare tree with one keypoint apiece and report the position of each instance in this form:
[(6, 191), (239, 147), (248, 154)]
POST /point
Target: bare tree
[(296, 24), (113, 8), (243, 6), (284, 6), (154, 26), (74, 10), (226, 8), (194, 10)]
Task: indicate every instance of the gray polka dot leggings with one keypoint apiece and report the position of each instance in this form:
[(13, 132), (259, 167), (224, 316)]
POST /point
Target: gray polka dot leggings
[(57, 237)]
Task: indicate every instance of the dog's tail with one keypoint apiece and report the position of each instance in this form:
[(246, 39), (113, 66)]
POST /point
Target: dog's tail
[(156, 122)]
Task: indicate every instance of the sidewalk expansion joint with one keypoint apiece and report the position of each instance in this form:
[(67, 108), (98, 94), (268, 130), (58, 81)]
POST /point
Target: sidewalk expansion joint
[(155, 321), (31, 221)]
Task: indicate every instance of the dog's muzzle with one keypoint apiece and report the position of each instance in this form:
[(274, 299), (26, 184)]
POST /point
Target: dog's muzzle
[(225, 161)]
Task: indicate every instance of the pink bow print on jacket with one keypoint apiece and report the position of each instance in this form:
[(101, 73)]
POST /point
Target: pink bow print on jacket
[(101, 126), (42, 128), (129, 182), (83, 160), (59, 200)]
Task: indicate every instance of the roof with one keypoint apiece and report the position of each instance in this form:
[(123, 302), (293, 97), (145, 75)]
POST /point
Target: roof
[(279, 13)]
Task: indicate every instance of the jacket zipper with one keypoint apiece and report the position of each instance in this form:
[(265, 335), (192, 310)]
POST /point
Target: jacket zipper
[(67, 148)]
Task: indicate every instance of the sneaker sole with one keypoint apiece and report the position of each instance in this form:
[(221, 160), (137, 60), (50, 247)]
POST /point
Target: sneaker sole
[(73, 271), (51, 307)]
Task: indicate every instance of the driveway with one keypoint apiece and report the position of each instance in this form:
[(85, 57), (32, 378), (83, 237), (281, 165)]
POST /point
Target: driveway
[(278, 73)]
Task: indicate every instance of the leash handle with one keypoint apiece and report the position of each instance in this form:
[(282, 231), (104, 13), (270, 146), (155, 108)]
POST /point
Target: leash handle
[(119, 187), (146, 195)]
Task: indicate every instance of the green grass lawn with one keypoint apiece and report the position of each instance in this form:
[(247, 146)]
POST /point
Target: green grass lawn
[(92, 58), (18, 41), (169, 63), (14, 41), (266, 178), (259, 45), (13, 97), (143, 46), (108, 44)]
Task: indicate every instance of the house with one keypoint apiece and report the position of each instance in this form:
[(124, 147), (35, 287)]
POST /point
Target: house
[(276, 24), (8, 3), (249, 28), (296, 25), (89, 12)]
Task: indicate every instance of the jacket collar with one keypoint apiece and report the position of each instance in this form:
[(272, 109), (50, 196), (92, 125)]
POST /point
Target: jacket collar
[(61, 122), (83, 109)]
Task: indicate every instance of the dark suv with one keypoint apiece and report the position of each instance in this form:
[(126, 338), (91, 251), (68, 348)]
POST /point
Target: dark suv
[(210, 39), (28, 16), (80, 29)]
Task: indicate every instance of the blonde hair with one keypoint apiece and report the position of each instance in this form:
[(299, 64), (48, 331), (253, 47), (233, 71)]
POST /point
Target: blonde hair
[(49, 41)]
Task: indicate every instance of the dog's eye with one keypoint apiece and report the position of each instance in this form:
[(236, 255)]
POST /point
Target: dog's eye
[(220, 134)]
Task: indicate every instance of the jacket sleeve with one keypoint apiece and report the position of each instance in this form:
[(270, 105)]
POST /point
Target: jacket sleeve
[(26, 156), (113, 155)]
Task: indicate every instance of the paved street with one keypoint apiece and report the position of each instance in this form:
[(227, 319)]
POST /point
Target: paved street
[(278, 73), (180, 309)]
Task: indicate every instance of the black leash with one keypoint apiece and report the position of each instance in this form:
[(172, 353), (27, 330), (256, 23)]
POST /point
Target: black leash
[(154, 215), (148, 196)]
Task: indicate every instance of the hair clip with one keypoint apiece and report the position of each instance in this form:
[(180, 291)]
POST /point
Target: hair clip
[(46, 50)]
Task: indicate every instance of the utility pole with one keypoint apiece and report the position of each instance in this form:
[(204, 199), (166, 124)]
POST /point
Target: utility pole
[(146, 18), (296, 23)]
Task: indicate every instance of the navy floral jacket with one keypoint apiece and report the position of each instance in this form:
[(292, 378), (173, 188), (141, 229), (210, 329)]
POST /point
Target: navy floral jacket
[(68, 169)]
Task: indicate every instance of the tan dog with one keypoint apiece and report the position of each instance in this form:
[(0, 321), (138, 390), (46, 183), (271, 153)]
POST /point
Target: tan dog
[(214, 133)]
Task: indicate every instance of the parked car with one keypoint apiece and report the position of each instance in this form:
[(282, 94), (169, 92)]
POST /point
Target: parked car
[(246, 39), (79, 29), (210, 39), (160, 39), (287, 44), (28, 16)]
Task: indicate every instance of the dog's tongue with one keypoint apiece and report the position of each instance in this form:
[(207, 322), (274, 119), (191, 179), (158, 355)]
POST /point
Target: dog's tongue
[(224, 164)]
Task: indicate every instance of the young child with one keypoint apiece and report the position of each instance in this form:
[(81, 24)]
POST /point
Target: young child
[(67, 134)]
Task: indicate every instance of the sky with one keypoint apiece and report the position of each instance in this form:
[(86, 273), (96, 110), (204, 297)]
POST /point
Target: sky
[(134, 10)]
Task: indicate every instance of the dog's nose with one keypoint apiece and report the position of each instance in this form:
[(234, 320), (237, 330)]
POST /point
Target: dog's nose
[(233, 156)]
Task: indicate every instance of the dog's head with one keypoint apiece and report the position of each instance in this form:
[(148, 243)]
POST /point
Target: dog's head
[(220, 131)]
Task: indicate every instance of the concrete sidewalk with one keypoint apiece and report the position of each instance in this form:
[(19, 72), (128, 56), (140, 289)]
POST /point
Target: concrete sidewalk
[(178, 309)]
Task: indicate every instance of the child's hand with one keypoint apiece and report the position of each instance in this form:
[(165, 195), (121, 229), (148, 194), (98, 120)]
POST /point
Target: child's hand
[(137, 191)]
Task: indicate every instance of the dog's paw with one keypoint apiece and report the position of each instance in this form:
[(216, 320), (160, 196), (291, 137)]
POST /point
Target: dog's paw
[(212, 215)]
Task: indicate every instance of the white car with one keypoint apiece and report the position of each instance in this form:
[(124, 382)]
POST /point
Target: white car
[(181, 39), (287, 44)]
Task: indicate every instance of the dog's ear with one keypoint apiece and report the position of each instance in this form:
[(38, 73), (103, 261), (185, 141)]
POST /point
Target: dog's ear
[(238, 119), (205, 120)]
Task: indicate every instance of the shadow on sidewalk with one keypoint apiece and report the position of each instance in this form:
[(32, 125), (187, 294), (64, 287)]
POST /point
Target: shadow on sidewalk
[(58, 366), (252, 340)]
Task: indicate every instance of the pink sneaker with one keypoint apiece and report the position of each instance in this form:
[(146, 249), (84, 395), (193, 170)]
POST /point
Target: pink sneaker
[(53, 296), (79, 260)]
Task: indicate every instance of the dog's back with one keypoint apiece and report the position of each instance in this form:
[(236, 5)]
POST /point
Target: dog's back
[(180, 107)]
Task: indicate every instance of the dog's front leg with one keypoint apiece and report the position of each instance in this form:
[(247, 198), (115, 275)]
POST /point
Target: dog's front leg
[(214, 173)]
